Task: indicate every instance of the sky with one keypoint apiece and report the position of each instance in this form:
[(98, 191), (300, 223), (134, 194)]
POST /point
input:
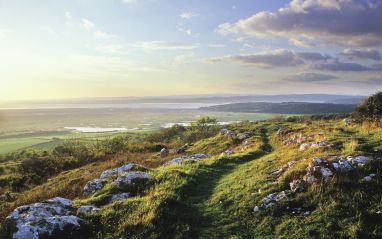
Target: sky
[(52, 49)]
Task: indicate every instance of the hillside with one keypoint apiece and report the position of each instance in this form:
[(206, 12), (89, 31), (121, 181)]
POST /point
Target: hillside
[(262, 180), (284, 108)]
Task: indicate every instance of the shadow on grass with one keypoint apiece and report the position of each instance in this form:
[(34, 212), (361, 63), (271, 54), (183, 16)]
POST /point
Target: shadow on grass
[(188, 213)]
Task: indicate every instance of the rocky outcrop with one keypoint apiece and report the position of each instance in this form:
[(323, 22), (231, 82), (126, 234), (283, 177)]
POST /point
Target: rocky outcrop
[(271, 199), (179, 160), (306, 146), (93, 186), (296, 138), (97, 184), (53, 218), (128, 178), (228, 132), (228, 152), (297, 186), (163, 152), (283, 168), (348, 121), (243, 136), (324, 168), (87, 210), (115, 171), (320, 169), (181, 150), (119, 197), (369, 177)]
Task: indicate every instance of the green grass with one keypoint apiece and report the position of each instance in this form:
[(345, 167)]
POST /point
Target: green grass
[(215, 197), (43, 129)]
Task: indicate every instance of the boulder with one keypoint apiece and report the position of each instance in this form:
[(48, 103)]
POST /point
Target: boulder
[(275, 197), (128, 178), (359, 161), (119, 170), (280, 131), (297, 186), (243, 136), (228, 132), (53, 218), (322, 143), (228, 152), (310, 179), (256, 209), (342, 165), (304, 146), (179, 160), (181, 150), (87, 210), (93, 186), (119, 197), (284, 168), (163, 152), (370, 177), (326, 173), (348, 121)]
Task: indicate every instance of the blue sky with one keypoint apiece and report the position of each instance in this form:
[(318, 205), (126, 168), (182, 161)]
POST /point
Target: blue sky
[(101, 48)]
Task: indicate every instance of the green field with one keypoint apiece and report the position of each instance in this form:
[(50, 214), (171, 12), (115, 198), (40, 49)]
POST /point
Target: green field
[(44, 129)]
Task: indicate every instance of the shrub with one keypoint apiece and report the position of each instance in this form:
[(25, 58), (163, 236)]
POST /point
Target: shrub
[(370, 109)]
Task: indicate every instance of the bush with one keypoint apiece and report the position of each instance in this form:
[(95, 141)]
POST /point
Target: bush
[(370, 109), (203, 128)]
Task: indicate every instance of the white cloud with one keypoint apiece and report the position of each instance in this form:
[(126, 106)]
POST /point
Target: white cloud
[(87, 24), (184, 59), (68, 16), (188, 15), (217, 45), (310, 77), (362, 54), (333, 22), (103, 35), (128, 1), (110, 49), (4, 32), (163, 45), (186, 31)]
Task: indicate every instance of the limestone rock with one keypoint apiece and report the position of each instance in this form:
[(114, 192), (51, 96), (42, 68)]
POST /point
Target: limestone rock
[(48, 219), (297, 186), (122, 169), (228, 132), (87, 210), (127, 178), (119, 197), (163, 152), (189, 157), (93, 186)]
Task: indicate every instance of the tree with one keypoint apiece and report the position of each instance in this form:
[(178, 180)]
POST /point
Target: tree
[(370, 109), (204, 127)]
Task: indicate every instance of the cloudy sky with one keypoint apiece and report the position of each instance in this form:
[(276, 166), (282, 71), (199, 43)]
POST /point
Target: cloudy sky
[(99, 48)]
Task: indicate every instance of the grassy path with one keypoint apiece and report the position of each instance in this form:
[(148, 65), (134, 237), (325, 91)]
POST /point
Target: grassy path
[(217, 191)]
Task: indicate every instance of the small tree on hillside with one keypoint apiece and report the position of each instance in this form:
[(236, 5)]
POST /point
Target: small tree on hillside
[(204, 127), (370, 109)]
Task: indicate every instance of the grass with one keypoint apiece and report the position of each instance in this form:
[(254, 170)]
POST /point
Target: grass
[(215, 197)]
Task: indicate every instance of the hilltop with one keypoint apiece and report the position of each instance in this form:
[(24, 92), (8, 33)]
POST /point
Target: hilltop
[(314, 179), (284, 108)]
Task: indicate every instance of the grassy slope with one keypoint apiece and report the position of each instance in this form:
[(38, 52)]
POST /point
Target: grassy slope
[(214, 198)]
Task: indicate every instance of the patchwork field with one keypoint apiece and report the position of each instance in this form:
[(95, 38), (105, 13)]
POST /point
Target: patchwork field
[(45, 128)]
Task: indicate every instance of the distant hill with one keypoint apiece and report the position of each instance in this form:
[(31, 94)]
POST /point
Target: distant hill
[(353, 100), (284, 108), (128, 102)]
